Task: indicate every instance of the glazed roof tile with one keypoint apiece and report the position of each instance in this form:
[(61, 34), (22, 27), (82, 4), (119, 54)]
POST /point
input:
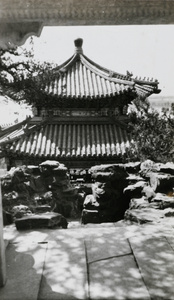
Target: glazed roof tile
[(80, 77), (68, 140)]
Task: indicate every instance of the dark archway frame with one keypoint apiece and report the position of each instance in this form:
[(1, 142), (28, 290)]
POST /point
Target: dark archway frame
[(20, 19)]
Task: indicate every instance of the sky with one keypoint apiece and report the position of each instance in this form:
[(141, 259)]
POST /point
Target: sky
[(144, 50)]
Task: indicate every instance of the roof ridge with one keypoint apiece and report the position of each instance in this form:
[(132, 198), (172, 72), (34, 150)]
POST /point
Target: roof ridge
[(146, 81), (79, 76), (27, 128), (125, 79), (88, 63), (68, 61), (14, 126), (111, 72)]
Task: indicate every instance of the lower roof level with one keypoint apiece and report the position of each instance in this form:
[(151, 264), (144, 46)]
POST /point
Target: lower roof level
[(71, 141)]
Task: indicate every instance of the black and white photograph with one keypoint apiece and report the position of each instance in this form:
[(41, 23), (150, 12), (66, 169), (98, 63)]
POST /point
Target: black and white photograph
[(86, 150)]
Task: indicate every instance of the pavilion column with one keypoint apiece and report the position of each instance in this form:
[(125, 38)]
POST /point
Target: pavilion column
[(2, 246), (3, 171)]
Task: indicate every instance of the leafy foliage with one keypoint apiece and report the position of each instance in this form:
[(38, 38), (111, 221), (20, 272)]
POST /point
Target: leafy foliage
[(152, 133), (19, 74)]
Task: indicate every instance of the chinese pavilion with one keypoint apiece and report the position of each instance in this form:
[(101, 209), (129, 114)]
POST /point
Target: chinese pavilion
[(82, 121)]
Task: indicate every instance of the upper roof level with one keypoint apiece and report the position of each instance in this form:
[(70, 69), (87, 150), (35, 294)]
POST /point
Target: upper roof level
[(80, 77)]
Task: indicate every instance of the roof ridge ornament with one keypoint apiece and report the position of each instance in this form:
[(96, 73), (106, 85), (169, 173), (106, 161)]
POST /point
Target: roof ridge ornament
[(78, 45)]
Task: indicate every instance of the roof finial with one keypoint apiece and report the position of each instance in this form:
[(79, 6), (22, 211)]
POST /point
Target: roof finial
[(78, 45)]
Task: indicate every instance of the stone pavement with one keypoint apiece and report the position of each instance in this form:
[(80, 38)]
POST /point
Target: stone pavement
[(94, 261)]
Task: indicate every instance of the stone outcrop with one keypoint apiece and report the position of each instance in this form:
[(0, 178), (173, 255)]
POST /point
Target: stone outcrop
[(137, 192), (106, 203), (155, 200), (46, 220), (29, 190)]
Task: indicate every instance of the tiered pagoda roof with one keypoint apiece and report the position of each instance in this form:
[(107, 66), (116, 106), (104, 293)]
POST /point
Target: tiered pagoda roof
[(90, 135), (80, 77), (64, 140)]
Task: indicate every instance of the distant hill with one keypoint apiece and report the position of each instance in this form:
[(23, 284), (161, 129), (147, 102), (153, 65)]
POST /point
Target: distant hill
[(161, 102)]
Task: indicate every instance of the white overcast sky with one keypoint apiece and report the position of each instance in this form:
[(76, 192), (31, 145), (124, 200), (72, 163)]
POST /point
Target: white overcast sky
[(144, 50)]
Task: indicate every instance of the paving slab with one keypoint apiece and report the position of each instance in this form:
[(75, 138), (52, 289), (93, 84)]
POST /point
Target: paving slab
[(155, 258), (116, 278), (105, 247), (122, 231), (65, 273), (170, 239), (89, 260), (12, 235), (24, 271)]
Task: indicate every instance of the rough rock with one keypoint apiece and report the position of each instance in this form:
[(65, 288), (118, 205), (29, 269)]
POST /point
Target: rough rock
[(169, 212), (11, 196), (131, 167), (90, 203), (50, 168), (144, 215), (148, 166), (143, 203), (7, 218), (60, 171), (133, 178), (50, 164), (104, 176), (166, 168), (107, 203), (90, 216), (113, 171), (42, 209), (138, 203), (19, 211), (134, 190), (163, 200), (37, 184), (161, 182), (148, 192), (104, 192), (158, 193), (97, 216), (32, 170), (103, 168), (6, 183), (19, 175), (46, 220), (47, 185)]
